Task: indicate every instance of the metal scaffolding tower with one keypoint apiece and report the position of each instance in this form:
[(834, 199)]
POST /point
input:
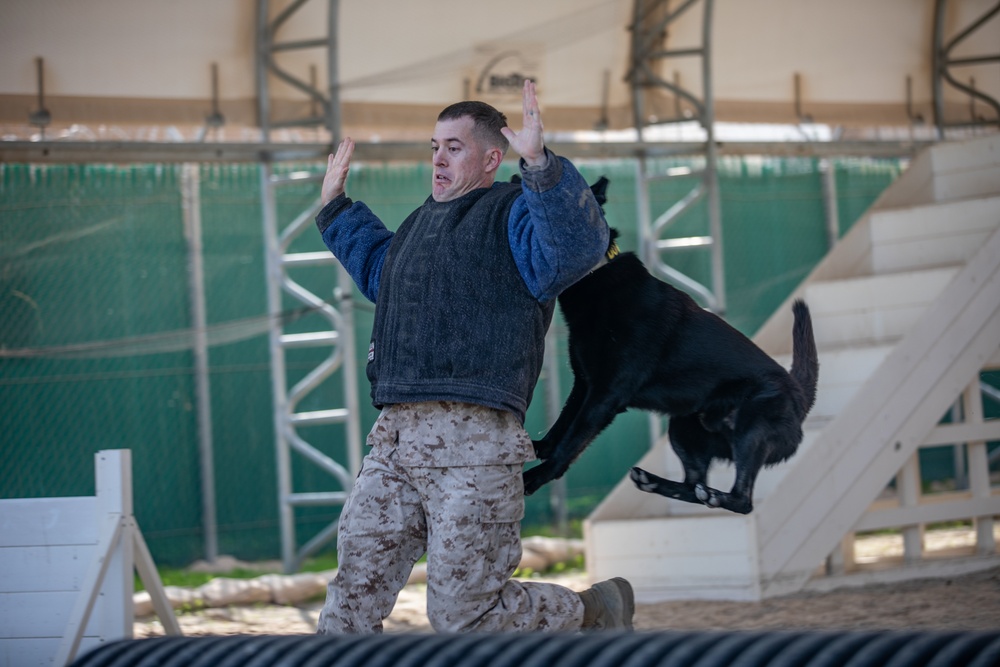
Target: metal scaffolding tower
[(944, 64), (650, 31), (338, 313)]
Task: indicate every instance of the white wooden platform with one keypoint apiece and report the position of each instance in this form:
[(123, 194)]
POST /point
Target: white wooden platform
[(67, 568), (906, 311)]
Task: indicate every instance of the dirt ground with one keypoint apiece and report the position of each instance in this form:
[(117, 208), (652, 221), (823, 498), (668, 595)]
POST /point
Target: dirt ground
[(966, 602)]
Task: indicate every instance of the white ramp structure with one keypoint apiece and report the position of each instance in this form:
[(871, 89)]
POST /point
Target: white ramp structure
[(906, 312), (67, 568)]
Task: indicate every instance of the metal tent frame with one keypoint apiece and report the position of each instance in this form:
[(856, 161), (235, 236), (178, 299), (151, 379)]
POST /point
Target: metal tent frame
[(651, 19)]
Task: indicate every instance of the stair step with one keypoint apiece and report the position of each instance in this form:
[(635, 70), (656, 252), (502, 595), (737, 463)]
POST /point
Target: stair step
[(895, 346), (678, 557), (932, 235), (872, 310), (842, 372), (966, 169)]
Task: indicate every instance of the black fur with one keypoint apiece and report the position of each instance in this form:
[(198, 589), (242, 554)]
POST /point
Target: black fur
[(637, 342)]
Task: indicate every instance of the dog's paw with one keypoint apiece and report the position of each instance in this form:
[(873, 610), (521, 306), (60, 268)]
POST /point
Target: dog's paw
[(543, 448), (642, 480), (706, 495), (534, 479)]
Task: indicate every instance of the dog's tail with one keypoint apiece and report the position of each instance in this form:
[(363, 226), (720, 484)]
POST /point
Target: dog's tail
[(805, 361)]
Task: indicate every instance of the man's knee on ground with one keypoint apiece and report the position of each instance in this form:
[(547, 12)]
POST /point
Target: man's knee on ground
[(450, 615)]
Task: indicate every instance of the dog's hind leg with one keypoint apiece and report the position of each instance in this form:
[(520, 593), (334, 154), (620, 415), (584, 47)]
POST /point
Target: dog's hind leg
[(769, 438), (751, 447), (650, 483), (696, 447)]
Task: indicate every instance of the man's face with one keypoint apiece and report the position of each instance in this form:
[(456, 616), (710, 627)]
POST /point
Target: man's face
[(461, 163)]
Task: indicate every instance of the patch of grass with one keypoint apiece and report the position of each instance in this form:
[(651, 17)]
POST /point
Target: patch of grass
[(575, 530), (184, 578), (951, 525), (320, 563), (187, 579), (943, 525), (576, 564)]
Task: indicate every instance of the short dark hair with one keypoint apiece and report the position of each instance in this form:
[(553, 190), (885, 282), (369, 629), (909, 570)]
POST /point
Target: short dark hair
[(486, 119)]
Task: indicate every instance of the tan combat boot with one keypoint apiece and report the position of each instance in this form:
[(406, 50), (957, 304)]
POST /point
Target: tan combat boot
[(608, 605)]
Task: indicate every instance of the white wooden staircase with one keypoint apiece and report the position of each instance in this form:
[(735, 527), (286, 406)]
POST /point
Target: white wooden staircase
[(906, 311)]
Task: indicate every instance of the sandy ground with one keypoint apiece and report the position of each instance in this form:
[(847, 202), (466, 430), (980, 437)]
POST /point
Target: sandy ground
[(967, 602)]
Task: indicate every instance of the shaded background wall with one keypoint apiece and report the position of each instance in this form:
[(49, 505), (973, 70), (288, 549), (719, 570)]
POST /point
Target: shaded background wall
[(95, 327)]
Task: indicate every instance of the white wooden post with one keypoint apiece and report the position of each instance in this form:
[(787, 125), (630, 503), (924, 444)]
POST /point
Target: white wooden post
[(66, 570), (108, 578), (979, 468), (908, 488), (841, 559)]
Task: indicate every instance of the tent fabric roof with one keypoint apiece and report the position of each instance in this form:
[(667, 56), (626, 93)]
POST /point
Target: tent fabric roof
[(116, 61)]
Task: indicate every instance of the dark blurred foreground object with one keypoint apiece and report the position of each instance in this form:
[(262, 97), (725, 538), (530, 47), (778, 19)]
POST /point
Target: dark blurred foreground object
[(677, 649)]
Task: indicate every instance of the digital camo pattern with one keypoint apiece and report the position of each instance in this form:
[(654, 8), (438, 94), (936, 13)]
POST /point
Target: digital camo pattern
[(442, 433), (465, 516)]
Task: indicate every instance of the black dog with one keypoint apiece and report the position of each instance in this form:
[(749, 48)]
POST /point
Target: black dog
[(637, 342)]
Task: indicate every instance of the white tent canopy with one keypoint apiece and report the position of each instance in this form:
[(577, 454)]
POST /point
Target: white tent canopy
[(120, 62)]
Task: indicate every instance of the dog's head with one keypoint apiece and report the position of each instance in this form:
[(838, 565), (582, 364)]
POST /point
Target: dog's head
[(600, 190)]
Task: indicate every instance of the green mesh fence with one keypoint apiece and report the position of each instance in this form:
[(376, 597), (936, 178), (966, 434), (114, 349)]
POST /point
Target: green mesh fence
[(95, 327)]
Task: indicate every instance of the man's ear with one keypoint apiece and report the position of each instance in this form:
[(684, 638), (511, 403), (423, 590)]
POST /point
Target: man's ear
[(494, 157)]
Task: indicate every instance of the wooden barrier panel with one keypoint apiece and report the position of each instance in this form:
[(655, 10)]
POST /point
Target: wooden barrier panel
[(66, 570)]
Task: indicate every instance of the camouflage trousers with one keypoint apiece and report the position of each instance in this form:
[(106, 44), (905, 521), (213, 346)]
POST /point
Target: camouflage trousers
[(466, 518)]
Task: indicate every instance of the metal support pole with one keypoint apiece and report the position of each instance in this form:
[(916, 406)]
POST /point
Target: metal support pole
[(711, 162), (262, 60), (191, 196), (272, 261), (553, 405), (333, 74), (829, 175), (715, 230), (342, 296), (40, 117)]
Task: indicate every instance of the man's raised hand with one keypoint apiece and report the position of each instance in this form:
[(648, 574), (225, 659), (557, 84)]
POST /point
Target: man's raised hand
[(528, 143), (337, 166)]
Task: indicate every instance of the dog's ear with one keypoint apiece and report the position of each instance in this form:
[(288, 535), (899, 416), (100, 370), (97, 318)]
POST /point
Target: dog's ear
[(516, 178), (600, 189)]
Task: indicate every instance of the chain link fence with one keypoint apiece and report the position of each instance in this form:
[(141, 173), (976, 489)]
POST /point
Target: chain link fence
[(96, 326)]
